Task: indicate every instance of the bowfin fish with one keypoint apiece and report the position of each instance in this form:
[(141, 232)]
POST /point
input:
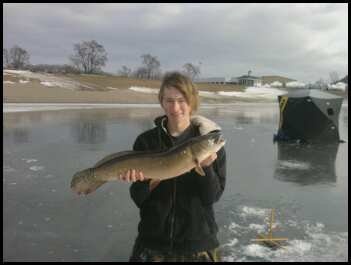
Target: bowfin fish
[(156, 166)]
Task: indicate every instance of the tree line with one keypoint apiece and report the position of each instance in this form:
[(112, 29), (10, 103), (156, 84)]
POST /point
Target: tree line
[(89, 57)]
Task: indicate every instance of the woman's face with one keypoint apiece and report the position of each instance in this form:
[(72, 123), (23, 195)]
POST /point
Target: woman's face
[(175, 105)]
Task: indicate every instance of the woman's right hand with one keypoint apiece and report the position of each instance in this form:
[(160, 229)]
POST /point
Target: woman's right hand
[(132, 175)]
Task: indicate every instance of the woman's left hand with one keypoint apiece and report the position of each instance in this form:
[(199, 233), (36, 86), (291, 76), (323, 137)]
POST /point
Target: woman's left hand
[(208, 161)]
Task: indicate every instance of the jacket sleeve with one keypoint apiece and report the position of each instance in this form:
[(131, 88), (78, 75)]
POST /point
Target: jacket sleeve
[(211, 186), (139, 190)]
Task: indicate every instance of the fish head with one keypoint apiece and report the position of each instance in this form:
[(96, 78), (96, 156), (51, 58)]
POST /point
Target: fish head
[(208, 144), (83, 182)]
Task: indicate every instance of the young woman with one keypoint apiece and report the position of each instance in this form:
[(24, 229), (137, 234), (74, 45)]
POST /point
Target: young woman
[(177, 218)]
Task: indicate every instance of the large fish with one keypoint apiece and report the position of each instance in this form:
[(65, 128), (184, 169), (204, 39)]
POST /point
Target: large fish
[(155, 165)]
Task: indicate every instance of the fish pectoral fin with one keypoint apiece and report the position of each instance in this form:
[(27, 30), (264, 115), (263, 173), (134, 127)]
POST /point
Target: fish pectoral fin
[(198, 168), (153, 183), (200, 171)]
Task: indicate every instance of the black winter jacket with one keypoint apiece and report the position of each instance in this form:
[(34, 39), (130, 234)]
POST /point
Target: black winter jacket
[(178, 214)]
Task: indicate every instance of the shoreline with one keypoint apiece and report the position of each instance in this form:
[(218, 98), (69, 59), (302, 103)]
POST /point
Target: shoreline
[(23, 87), (9, 107)]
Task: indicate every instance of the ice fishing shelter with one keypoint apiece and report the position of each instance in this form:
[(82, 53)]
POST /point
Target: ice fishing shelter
[(309, 116)]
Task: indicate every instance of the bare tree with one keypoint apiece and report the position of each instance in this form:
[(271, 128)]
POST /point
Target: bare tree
[(140, 72), (191, 70), (151, 65), (125, 71), (5, 58), (321, 84), (89, 56), (18, 58), (53, 68), (334, 77)]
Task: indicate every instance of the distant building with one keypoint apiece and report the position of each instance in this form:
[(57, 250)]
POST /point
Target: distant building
[(249, 80)]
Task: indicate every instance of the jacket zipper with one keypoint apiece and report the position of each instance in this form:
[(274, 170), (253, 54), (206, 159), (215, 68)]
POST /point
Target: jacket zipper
[(173, 212), (173, 207)]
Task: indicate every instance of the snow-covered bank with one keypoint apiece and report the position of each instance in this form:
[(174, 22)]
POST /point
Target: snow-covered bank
[(146, 90), (338, 86), (50, 80), (250, 92), (255, 92)]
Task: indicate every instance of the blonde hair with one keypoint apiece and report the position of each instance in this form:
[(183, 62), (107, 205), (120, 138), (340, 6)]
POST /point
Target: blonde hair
[(184, 85)]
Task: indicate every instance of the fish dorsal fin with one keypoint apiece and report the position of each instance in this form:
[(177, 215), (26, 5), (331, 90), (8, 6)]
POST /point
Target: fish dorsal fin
[(115, 155), (127, 154)]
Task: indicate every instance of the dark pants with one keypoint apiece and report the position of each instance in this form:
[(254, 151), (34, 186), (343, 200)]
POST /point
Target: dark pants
[(142, 254)]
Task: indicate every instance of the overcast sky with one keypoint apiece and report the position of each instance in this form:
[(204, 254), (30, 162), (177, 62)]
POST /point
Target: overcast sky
[(300, 41)]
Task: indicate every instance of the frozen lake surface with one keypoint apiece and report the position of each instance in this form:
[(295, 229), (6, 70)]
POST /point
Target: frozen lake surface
[(44, 221)]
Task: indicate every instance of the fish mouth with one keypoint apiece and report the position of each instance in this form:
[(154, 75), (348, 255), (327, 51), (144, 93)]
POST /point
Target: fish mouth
[(217, 137), (220, 140)]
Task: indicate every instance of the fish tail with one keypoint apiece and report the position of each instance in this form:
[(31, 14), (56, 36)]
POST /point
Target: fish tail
[(85, 182), (80, 176)]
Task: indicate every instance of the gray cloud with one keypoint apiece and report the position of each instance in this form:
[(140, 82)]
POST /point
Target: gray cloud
[(301, 41)]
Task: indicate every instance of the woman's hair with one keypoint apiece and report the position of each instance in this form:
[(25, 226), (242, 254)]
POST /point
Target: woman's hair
[(184, 84)]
